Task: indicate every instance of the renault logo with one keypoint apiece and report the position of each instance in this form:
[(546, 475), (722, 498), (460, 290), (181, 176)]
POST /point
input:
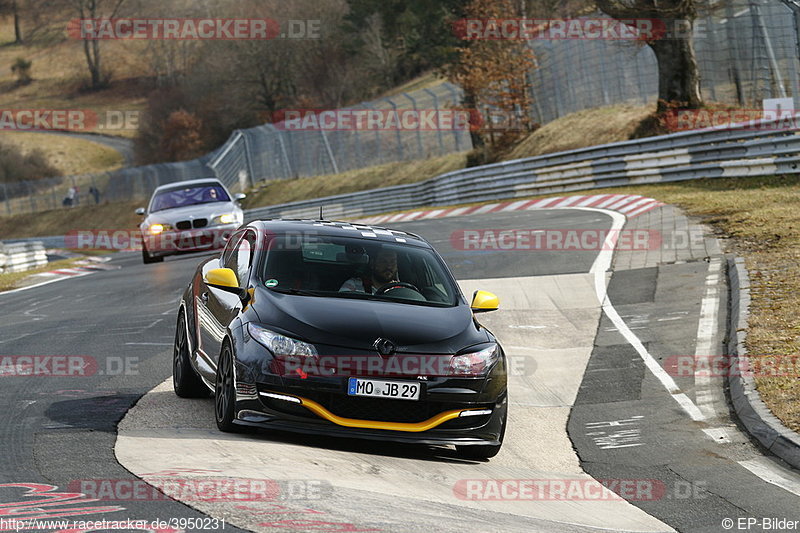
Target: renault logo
[(384, 346)]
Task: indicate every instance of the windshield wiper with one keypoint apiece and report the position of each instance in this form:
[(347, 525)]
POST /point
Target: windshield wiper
[(300, 292)]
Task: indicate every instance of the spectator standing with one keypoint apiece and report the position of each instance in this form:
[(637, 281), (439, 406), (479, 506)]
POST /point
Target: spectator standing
[(69, 200), (95, 193)]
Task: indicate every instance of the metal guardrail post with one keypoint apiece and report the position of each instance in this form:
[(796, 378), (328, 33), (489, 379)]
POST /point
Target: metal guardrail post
[(456, 101), (279, 134), (776, 71), (248, 163), (397, 131), (438, 121), (420, 149), (329, 151)]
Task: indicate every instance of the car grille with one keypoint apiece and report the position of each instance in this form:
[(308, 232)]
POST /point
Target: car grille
[(382, 409), (377, 409), (189, 224)]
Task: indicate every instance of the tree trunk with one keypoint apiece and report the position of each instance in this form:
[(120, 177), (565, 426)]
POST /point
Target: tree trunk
[(17, 28), (470, 103), (678, 74)]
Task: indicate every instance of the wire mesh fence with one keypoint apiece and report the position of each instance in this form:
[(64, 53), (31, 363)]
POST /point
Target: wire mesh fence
[(747, 51), (267, 152)]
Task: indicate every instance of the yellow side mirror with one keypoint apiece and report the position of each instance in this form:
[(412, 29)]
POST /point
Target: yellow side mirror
[(483, 301), (221, 278)]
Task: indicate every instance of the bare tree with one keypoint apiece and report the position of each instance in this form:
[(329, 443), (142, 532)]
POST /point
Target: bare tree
[(94, 9), (11, 7), (678, 74)]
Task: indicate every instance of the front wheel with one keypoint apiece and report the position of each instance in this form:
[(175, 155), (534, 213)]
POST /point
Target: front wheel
[(482, 451), (224, 392), (185, 381)]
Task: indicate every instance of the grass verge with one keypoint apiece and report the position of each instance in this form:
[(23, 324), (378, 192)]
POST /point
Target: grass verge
[(10, 280), (278, 192), (61, 221), (68, 155)]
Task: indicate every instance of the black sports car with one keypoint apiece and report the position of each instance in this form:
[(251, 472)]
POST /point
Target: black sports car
[(338, 329)]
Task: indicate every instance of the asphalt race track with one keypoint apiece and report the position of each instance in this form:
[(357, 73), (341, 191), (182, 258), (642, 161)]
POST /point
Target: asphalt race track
[(593, 394)]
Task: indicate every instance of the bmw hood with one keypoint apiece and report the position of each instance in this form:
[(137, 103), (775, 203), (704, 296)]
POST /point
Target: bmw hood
[(209, 211), (356, 323)]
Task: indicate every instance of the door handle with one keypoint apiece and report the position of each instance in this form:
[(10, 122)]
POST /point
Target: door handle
[(204, 297)]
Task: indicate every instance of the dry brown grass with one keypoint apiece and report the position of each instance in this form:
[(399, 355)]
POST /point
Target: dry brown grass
[(68, 155), (62, 221), (11, 280), (59, 71), (583, 128), (278, 192)]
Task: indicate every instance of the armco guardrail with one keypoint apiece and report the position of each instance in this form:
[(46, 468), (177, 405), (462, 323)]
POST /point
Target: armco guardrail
[(738, 150), (17, 257)]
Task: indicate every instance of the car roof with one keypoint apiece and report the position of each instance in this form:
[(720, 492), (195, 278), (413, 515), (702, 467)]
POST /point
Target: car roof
[(336, 228), (189, 183)]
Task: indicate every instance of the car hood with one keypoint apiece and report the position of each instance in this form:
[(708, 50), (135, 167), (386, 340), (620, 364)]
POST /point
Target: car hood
[(192, 211), (356, 323)]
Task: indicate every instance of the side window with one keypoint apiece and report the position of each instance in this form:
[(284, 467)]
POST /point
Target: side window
[(242, 256)]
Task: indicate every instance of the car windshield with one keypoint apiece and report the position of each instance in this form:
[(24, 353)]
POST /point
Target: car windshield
[(185, 196), (356, 268)]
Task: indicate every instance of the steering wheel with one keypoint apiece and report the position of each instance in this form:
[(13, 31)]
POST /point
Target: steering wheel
[(395, 285)]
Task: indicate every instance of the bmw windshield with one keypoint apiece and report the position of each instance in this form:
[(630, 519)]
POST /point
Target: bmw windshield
[(186, 196), (357, 268)]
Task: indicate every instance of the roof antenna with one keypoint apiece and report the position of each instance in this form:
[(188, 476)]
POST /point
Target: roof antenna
[(320, 213)]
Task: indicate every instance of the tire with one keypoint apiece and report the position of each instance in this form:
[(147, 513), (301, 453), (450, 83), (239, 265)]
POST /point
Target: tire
[(185, 381), (225, 393), (148, 259), (482, 451)]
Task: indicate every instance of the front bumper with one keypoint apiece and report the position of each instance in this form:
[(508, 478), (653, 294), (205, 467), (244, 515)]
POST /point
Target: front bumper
[(323, 412), (188, 241)]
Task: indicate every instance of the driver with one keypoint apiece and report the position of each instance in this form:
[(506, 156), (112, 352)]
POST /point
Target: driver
[(383, 270)]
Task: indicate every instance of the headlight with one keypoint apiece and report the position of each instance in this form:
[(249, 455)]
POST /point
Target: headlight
[(156, 229), (475, 363), (228, 218), (282, 347)]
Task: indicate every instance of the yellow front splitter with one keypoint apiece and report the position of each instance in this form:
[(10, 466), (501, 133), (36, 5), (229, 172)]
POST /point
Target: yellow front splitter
[(415, 427)]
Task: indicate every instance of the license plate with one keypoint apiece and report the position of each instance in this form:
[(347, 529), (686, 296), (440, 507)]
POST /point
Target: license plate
[(376, 388)]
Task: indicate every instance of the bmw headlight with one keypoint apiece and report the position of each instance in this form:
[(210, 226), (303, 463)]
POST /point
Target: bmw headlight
[(157, 229), (475, 363), (280, 345), (228, 218)]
